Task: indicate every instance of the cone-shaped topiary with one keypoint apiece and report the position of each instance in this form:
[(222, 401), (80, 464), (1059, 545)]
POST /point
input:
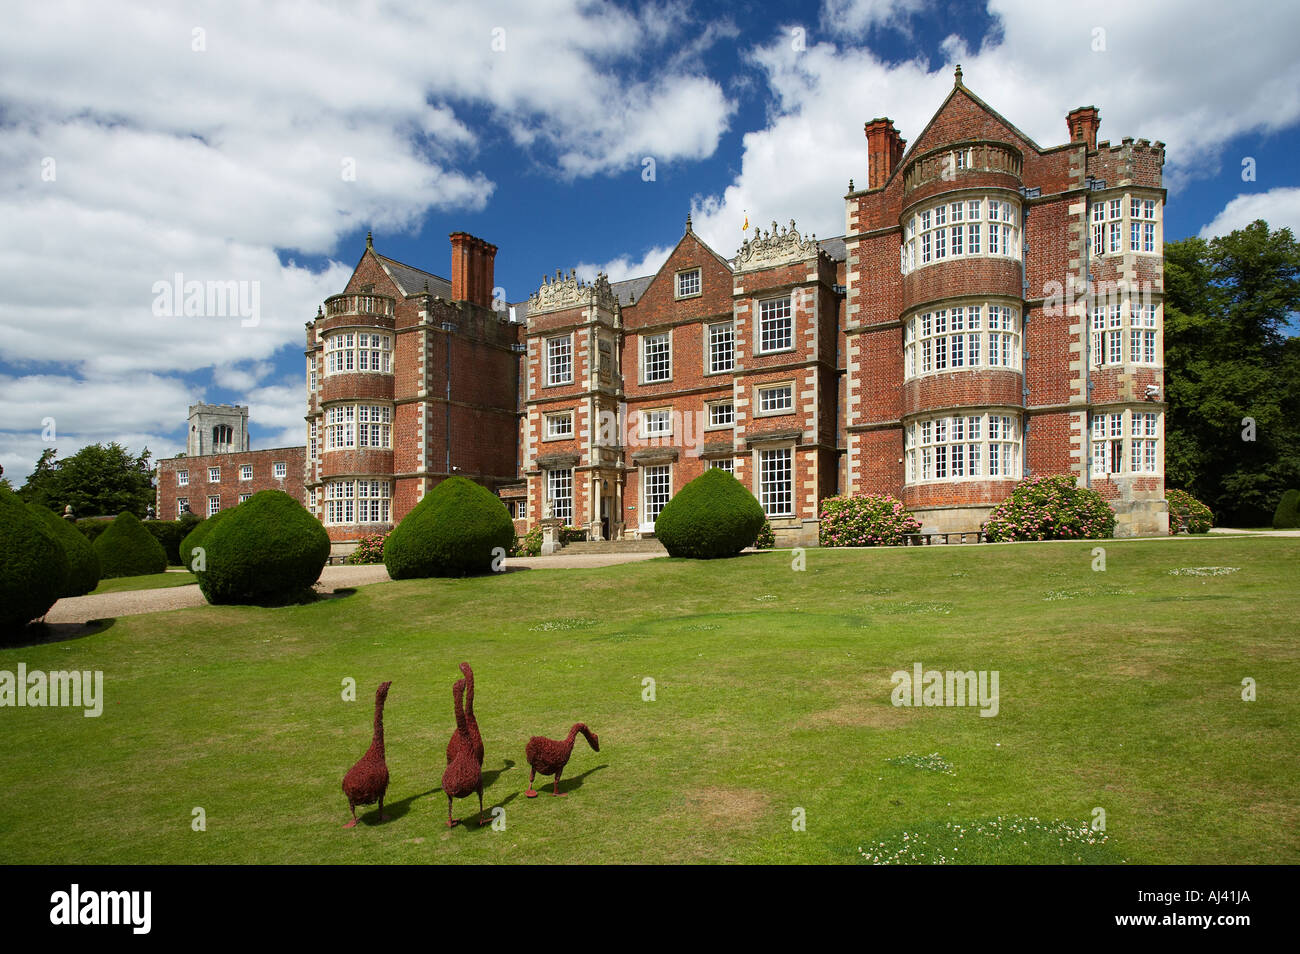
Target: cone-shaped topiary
[(126, 548), (83, 562), (196, 537), (712, 516), (33, 566), (266, 551), (1287, 515), (455, 530)]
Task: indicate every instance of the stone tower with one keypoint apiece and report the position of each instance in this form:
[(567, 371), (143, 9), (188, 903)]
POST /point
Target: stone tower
[(217, 429)]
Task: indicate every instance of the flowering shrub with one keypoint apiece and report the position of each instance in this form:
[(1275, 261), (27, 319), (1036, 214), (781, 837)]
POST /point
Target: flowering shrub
[(1187, 514), (370, 549), (530, 544), (1051, 508), (865, 520), (766, 537), (572, 535)]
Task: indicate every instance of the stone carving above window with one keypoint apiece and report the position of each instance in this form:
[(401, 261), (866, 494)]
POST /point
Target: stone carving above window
[(768, 249), (568, 291)]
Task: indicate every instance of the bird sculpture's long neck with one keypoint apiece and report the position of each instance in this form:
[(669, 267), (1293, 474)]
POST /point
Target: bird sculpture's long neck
[(469, 694), (458, 695), (377, 743), (573, 734)]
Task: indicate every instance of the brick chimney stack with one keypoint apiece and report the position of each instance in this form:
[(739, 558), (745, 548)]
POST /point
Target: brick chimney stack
[(884, 150), (473, 262), (1083, 123)]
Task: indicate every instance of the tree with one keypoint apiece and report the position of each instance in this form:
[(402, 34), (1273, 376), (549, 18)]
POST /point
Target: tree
[(98, 479), (1232, 372)]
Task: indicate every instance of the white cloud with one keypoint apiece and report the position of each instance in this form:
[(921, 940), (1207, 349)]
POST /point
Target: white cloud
[(625, 266), (1280, 208), (850, 17), (1149, 82)]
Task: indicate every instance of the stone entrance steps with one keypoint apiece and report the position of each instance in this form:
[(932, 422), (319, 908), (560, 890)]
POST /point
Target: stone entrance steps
[(615, 546)]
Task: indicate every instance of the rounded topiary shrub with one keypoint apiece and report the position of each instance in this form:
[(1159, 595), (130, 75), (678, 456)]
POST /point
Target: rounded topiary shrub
[(170, 533), (865, 520), (83, 562), (269, 550), (1187, 514), (1287, 515), (126, 548), (92, 527), (195, 538), (712, 516), (33, 566), (454, 531), (1053, 507)]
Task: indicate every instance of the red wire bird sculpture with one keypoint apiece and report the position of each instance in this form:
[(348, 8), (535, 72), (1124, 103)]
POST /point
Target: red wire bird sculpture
[(367, 781), (463, 774), (549, 756), (475, 738)]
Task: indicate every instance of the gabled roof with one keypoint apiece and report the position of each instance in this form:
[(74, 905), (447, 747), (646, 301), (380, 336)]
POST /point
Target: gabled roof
[(410, 280), (959, 87)]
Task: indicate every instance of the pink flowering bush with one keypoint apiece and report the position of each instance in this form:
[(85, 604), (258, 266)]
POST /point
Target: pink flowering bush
[(1187, 514), (370, 549), (766, 538), (865, 520), (1051, 508)]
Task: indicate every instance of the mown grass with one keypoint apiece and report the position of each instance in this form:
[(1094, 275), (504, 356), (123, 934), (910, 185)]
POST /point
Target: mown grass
[(149, 581), (1119, 690)]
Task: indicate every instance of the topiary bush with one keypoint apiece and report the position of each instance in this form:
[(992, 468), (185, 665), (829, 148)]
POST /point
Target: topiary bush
[(1053, 507), (766, 538), (83, 562), (126, 548), (33, 566), (1187, 514), (712, 516), (530, 544), (92, 527), (170, 533), (453, 531), (267, 551), (865, 520), (370, 549), (1287, 515), (195, 538)]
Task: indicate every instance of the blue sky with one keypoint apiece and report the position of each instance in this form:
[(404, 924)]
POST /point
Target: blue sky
[(216, 140)]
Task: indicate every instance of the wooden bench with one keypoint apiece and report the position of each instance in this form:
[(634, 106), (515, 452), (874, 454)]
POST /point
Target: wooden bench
[(932, 537)]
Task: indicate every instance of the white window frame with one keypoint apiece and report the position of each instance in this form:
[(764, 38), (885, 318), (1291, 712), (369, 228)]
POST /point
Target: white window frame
[(954, 448), (656, 422), (366, 500), (358, 351), (279, 470), (985, 227), (243, 498), (776, 324), (561, 480), (724, 463), (245, 471), (559, 360), (558, 425), (214, 504), (719, 348), (182, 478), (661, 370), (762, 394), (713, 410), (214, 475), (656, 491), (776, 481), (182, 504), (682, 281)]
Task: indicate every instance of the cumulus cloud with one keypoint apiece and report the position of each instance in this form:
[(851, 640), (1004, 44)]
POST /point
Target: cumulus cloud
[(1032, 67), (142, 142), (1280, 208), (626, 266)]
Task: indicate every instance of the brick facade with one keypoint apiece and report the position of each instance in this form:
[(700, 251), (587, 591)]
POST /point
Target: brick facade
[(993, 310), (186, 479)]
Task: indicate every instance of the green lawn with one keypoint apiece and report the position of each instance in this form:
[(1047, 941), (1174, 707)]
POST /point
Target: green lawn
[(1119, 690), (150, 581)]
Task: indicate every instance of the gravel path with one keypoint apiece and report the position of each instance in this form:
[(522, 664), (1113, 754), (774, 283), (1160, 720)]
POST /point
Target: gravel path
[(82, 609)]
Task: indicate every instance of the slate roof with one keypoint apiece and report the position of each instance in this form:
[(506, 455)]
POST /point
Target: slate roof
[(411, 279)]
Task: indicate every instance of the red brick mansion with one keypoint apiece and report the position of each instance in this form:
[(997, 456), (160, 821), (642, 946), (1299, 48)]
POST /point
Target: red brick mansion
[(993, 310)]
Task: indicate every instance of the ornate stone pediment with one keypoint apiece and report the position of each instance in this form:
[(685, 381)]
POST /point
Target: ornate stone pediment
[(769, 249), (568, 291)]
